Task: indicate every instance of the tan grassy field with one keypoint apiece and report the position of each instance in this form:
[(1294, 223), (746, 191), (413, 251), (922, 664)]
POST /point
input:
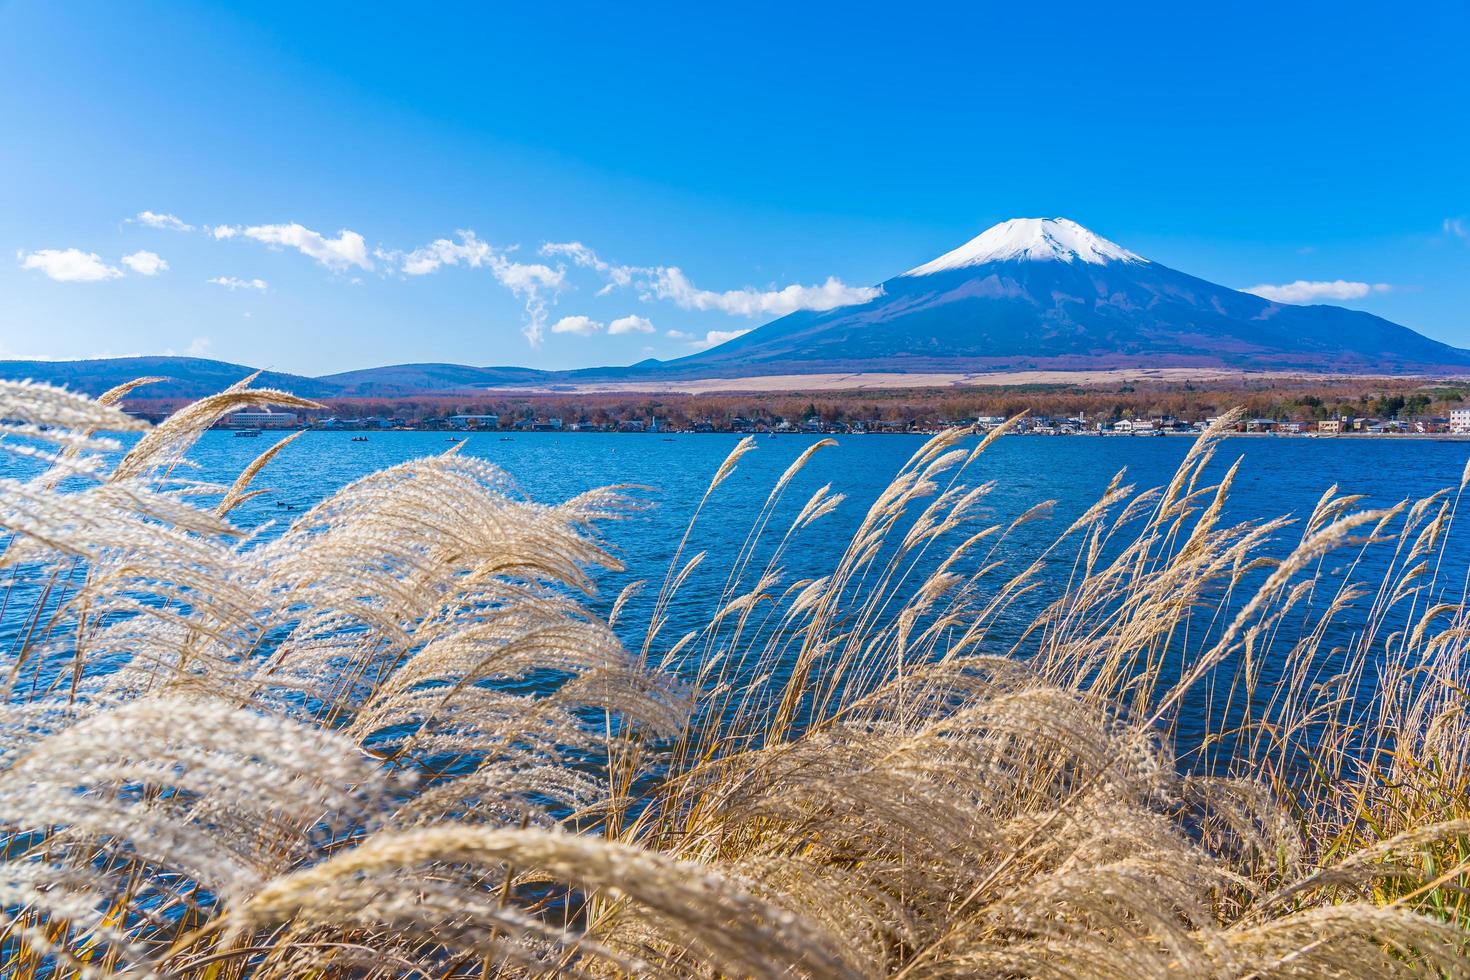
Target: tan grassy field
[(877, 381)]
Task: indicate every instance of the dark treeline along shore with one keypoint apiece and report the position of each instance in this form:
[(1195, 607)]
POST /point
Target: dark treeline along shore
[(1412, 405)]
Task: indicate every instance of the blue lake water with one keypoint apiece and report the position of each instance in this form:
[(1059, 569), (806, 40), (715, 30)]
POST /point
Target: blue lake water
[(1279, 476)]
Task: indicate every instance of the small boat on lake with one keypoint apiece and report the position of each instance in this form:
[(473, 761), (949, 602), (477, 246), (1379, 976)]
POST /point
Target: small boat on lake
[(359, 438), (246, 433)]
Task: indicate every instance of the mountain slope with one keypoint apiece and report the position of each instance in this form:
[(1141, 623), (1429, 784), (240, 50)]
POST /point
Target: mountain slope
[(1047, 293)]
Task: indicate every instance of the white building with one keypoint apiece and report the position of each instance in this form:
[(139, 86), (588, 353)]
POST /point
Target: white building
[(1460, 420), (264, 420), (474, 421)]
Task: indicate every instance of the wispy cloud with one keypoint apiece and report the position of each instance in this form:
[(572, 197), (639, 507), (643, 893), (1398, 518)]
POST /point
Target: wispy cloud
[(536, 284), (714, 338), (69, 265), (145, 263), (165, 221), (1456, 228), (670, 283), (617, 275), (348, 249), (231, 283), (582, 326), (469, 251), (474, 253), (529, 281), (630, 324), (711, 338), (1304, 291)]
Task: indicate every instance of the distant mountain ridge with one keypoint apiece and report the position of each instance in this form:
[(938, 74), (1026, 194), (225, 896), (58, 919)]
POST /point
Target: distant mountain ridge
[(1026, 294), (194, 377)]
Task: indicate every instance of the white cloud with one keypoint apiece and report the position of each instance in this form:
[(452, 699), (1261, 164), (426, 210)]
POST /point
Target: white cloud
[(346, 250), (1456, 227), (198, 347), (630, 324), (521, 276), (165, 221), (715, 337), (145, 263), (617, 275), (669, 282), (710, 339), (231, 283), (528, 281), (577, 252), (69, 264), (672, 284), (474, 253), (582, 326), (469, 251), (221, 232), (1303, 291)]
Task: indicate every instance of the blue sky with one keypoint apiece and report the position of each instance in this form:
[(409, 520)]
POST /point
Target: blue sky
[(718, 166)]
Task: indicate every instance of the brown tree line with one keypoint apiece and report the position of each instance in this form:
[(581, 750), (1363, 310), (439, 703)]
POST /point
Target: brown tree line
[(1295, 399)]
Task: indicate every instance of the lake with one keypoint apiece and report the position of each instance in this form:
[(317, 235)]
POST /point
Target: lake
[(1278, 476)]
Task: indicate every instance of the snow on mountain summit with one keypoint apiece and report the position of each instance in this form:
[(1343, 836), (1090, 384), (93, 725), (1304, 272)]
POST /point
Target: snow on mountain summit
[(1034, 239)]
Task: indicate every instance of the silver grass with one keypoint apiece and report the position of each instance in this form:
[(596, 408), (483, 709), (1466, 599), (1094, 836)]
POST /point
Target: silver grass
[(394, 739)]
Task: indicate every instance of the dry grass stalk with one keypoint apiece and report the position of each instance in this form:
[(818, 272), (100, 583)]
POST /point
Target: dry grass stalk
[(395, 740)]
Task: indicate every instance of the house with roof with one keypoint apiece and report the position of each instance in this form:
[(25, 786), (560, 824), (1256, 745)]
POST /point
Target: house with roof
[(474, 421)]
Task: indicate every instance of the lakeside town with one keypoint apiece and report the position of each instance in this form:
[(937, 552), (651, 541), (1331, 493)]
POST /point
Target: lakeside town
[(1456, 422)]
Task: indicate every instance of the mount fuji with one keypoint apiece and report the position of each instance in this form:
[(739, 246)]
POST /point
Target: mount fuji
[(1026, 294), (1047, 293)]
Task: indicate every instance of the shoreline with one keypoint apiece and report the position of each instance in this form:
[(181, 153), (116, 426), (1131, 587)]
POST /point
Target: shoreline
[(455, 435)]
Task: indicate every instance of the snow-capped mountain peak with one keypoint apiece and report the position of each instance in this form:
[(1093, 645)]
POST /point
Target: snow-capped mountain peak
[(1034, 239)]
